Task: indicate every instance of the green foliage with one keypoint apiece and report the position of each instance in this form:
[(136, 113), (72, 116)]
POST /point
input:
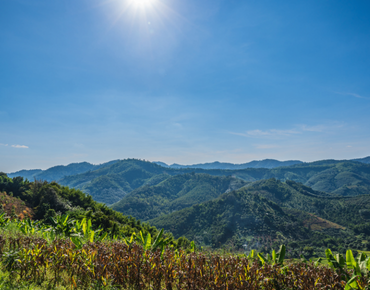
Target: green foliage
[(101, 265), (174, 193), (276, 258), (360, 267), (3, 220), (262, 215), (231, 218), (188, 203), (110, 182), (47, 199), (147, 243)]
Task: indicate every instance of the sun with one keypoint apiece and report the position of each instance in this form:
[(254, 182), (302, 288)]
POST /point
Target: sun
[(143, 3)]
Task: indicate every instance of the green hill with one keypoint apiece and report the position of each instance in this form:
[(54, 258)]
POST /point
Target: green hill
[(271, 210), (110, 182), (175, 193), (41, 200), (233, 217), (127, 175), (121, 178), (347, 178), (345, 211)]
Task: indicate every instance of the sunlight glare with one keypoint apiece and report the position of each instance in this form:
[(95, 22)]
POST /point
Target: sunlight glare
[(142, 3)]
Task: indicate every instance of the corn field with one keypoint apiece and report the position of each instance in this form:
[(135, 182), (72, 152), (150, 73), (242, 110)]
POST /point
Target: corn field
[(98, 264)]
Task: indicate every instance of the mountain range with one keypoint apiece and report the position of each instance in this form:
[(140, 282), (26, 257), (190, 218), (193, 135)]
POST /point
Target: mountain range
[(306, 205), (266, 163), (112, 181)]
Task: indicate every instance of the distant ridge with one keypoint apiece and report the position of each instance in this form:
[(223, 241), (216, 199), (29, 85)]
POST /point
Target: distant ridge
[(58, 172), (266, 163), (363, 160)]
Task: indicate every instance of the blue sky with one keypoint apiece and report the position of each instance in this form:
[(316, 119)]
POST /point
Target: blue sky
[(183, 81)]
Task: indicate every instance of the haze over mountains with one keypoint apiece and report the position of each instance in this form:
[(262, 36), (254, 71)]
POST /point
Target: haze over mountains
[(266, 163), (60, 171)]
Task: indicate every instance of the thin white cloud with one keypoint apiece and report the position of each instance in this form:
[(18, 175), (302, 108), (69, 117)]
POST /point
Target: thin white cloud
[(354, 95), (20, 146), (3, 144), (318, 128), (267, 133), (322, 128), (299, 129)]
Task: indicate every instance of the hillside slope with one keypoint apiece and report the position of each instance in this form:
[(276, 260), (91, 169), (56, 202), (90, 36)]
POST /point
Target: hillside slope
[(235, 216), (175, 193), (110, 183), (41, 200), (270, 210), (345, 211)]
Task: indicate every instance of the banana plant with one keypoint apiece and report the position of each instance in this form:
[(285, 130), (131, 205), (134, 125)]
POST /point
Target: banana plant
[(29, 227), (130, 241), (62, 225), (275, 258), (84, 228), (77, 241), (360, 266), (3, 220), (83, 231), (278, 258), (192, 247), (158, 243), (252, 254)]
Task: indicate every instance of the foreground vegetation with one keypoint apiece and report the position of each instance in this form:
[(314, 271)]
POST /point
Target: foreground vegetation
[(71, 254), (44, 202), (55, 237), (37, 263)]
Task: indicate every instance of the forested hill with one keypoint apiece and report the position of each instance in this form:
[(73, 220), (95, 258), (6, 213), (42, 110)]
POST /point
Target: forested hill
[(60, 171), (175, 193), (109, 183), (41, 200), (346, 211), (234, 217), (272, 210)]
